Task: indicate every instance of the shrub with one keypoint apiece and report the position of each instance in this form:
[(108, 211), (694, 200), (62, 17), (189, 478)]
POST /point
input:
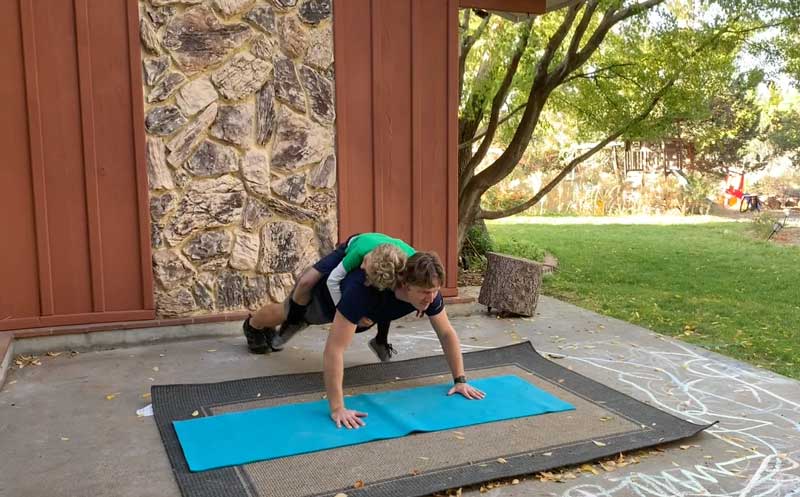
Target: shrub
[(477, 242), (762, 225)]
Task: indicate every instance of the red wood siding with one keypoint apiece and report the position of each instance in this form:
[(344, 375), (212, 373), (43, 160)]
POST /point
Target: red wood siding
[(396, 104), (74, 187)]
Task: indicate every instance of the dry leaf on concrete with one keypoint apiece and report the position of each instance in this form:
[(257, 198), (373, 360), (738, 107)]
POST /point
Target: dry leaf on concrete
[(609, 466), (26, 360), (588, 468)]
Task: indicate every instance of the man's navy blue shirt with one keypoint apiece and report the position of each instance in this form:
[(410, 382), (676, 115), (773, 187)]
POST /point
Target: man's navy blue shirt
[(359, 300)]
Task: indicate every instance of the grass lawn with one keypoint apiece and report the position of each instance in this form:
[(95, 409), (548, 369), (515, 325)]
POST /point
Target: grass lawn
[(709, 284)]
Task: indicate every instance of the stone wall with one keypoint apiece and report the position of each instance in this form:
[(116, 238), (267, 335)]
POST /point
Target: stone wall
[(239, 118)]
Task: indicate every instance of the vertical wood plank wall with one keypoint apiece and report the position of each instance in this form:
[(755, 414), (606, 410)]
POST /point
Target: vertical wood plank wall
[(74, 193), (396, 103)]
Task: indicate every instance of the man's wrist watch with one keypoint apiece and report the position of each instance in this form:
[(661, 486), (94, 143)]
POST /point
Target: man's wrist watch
[(460, 379)]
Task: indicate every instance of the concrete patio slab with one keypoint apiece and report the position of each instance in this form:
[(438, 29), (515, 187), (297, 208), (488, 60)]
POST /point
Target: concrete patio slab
[(69, 427)]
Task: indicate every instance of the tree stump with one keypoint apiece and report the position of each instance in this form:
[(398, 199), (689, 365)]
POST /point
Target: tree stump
[(511, 284)]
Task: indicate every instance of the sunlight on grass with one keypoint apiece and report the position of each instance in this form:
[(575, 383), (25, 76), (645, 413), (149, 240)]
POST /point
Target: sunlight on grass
[(710, 285)]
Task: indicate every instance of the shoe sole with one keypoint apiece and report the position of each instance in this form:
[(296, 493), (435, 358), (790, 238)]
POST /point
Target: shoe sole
[(290, 330), (270, 332), (256, 336), (388, 359)]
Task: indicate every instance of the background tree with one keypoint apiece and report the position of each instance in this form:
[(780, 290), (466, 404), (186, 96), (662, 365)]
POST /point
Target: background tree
[(723, 139), (613, 68), (782, 124)]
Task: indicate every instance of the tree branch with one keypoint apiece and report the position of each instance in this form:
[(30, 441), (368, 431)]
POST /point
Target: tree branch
[(782, 22), (580, 30), (579, 159), (472, 114), (596, 72), (634, 9), (500, 98), (501, 121), (466, 46), (555, 41), (537, 96), (610, 18)]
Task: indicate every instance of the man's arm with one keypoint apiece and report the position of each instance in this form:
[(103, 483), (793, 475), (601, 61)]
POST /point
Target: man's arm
[(339, 339), (452, 352)]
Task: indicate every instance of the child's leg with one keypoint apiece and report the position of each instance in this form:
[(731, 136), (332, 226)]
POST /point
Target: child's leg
[(382, 337), (380, 344)]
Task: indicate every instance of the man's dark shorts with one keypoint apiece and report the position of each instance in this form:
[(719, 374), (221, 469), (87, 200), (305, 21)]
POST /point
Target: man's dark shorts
[(321, 309)]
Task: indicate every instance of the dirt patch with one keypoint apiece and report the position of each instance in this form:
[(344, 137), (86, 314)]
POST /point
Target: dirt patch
[(470, 278), (787, 236)]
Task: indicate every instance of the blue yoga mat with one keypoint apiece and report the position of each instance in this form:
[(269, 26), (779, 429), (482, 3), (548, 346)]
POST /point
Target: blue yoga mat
[(287, 430)]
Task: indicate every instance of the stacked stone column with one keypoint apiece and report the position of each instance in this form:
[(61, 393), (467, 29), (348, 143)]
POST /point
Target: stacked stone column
[(239, 116)]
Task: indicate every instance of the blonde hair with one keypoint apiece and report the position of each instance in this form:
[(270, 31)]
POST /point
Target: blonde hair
[(382, 265)]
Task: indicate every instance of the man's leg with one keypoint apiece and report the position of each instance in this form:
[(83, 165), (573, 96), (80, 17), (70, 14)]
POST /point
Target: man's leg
[(272, 315), (268, 316), (286, 330), (301, 296), (259, 328), (297, 309), (291, 314)]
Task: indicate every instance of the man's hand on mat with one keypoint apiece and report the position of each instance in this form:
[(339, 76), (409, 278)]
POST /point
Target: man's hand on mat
[(467, 391), (348, 417)]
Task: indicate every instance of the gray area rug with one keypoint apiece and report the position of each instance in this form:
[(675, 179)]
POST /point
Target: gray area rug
[(605, 422)]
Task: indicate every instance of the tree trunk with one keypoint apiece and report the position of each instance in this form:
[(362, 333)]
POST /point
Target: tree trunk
[(468, 209), (511, 284)]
